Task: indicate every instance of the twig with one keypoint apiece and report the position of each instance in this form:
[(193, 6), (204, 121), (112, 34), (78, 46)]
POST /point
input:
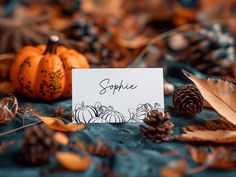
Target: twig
[(22, 127)]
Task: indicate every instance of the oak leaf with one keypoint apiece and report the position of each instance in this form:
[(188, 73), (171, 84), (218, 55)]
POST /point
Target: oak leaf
[(72, 161), (59, 125), (221, 95)]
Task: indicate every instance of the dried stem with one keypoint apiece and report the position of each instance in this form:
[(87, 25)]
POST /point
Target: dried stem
[(22, 127)]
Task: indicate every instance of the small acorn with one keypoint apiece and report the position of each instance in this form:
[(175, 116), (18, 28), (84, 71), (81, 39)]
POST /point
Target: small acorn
[(188, 100)]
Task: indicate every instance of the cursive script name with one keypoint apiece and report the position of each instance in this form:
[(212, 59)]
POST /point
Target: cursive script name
[(106, 86)]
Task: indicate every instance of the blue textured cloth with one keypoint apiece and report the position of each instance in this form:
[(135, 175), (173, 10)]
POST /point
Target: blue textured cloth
[(144, 157)]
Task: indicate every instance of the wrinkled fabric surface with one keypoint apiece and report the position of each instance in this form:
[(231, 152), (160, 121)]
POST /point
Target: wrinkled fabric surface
[(144, 157)]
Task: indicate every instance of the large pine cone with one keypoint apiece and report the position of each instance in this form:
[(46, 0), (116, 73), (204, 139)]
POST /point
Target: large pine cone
[(37, 145), (158, 126), (188, 100), (8, 109)]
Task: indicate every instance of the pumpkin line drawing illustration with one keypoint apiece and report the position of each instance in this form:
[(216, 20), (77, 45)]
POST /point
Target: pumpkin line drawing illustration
[(83, 112), (107, 114)]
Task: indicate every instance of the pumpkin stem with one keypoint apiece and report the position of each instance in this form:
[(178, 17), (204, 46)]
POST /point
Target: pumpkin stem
[(52, 44)]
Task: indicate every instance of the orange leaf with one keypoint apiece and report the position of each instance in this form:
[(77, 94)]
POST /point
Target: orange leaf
[(73, 161), (174, 169), (61, 138), (217, 136), (137, 42), (221, 95), (58, 124)]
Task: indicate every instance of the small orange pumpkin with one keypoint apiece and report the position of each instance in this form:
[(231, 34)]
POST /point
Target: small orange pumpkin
[(45, 71)]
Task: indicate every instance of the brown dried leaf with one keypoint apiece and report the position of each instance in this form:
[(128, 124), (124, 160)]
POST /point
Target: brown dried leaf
[(217, 124), (134, 43), (174, 169), (103, 7), (221, 95), (58, 125), (217, 136), (8, 109), (72, 161), (217, 157), (101, 149)]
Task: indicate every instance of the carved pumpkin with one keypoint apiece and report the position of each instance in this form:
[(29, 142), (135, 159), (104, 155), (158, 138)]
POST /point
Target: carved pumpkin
[(112, 116), (84, 113), (45, 71)]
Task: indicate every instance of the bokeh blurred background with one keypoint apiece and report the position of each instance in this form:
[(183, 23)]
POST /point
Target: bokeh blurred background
[(119, 33)]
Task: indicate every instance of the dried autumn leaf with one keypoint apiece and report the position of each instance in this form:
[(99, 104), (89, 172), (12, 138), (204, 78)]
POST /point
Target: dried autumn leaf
[(61, 138), (217, 124), (217, 136), (207, 105), (221, 95), (134, 43), (59, 125), (103, 7), (100, 149), (73, 161), (219, 157), (174, 169), (8, 109)]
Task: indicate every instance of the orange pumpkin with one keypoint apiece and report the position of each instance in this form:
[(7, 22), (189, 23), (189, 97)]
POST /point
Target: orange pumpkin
[(45, 71)]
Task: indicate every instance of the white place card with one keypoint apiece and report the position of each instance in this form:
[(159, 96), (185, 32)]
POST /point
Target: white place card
[(116, 95)]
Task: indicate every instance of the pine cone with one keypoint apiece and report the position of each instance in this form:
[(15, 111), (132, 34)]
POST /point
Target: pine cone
[(208, 49), (158, 126), (188, 100), (94, 42), (8, 109), (37, 145)]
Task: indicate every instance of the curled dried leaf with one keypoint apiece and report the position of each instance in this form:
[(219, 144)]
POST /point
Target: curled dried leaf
[(59, 125), (72, 161), (8, 109)]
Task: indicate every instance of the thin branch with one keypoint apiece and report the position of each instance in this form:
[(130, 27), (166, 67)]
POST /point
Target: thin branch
[(22, 127)]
